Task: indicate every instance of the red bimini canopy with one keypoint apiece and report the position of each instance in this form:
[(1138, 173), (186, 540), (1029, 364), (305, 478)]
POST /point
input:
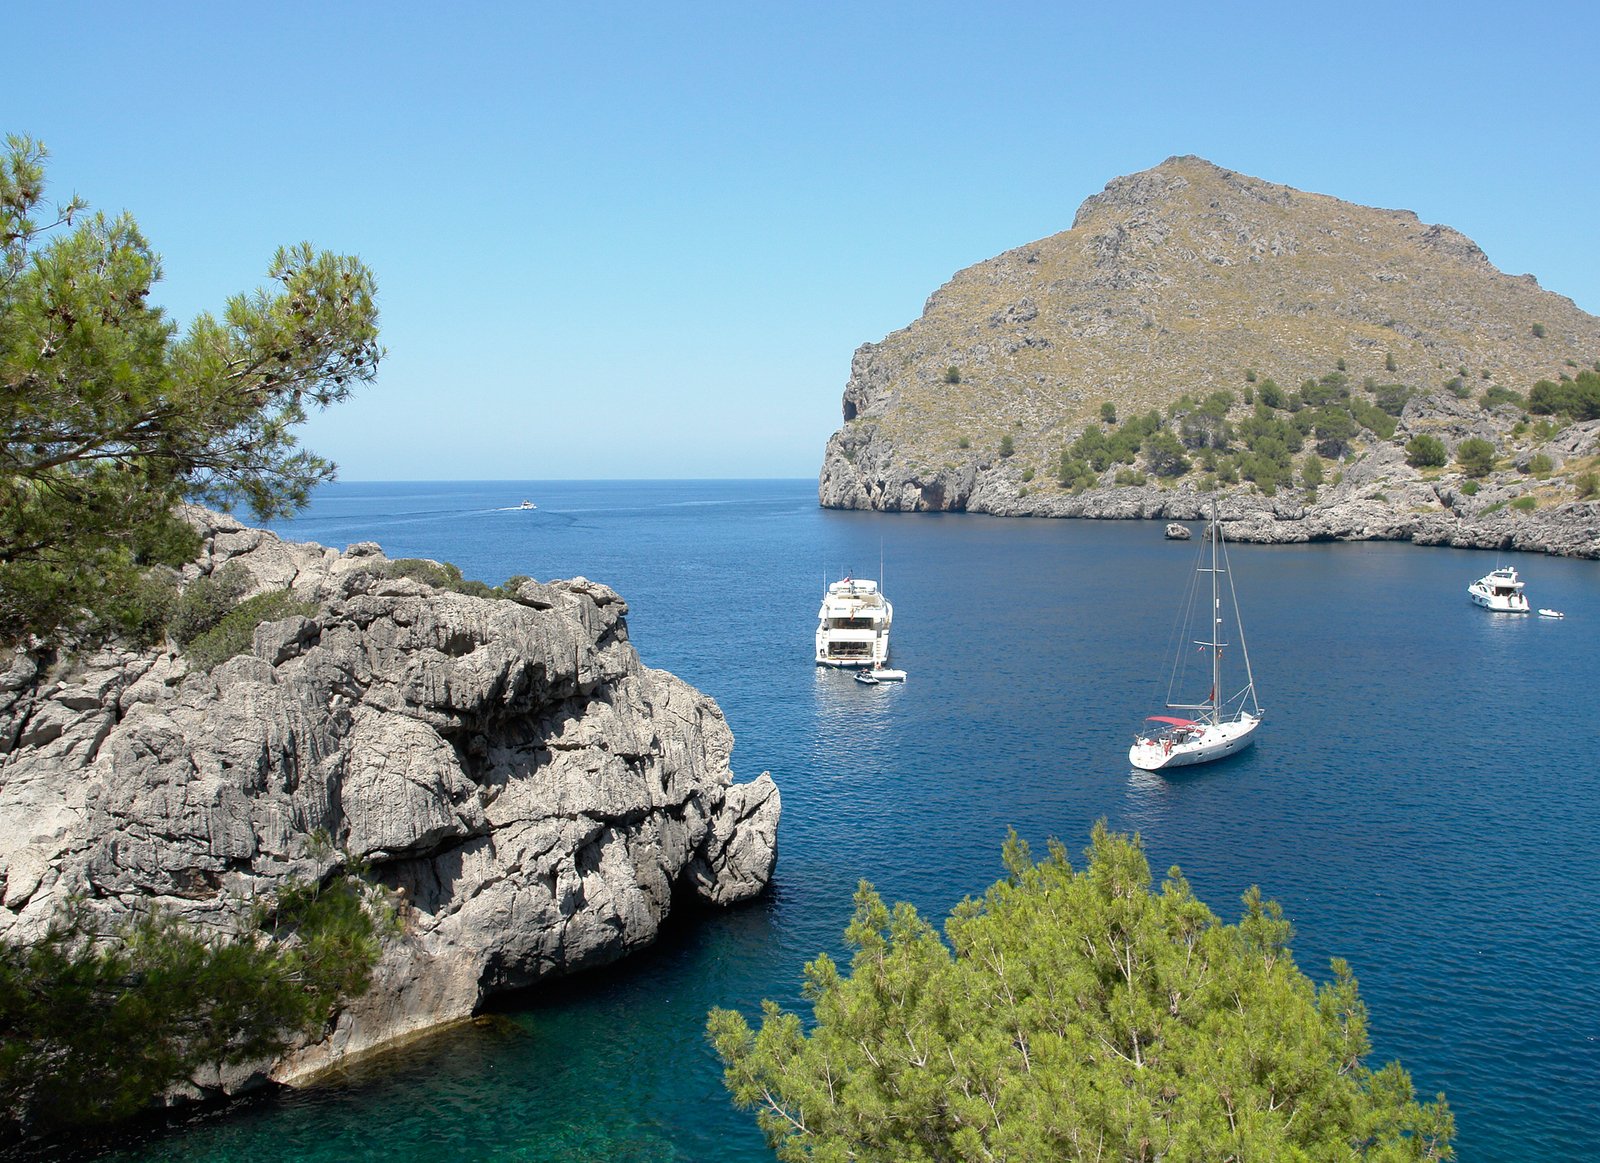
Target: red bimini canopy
[(1170, 719)]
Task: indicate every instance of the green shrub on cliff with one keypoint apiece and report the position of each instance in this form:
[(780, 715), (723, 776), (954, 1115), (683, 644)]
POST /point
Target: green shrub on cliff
[(206, 601), (1392, 397), (1575, 399), (1164, 454), (1071, 1008), (1334, 429), (95, 1025), (1475, 456), (1424, 451), (1495, 396), (1075, 474), (235, 631), (446, 575), (109, 417), (1373, 418)]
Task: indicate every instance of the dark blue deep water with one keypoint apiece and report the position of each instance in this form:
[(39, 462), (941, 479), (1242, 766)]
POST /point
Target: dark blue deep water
[(1424, 798)]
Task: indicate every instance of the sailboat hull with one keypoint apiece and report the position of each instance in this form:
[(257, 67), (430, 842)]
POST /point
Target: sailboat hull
[(1217, 741)]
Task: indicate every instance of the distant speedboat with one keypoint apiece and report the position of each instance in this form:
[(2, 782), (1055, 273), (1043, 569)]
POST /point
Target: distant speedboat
[(1223, 724), (1499, 590), (853, 625), (527, 505)]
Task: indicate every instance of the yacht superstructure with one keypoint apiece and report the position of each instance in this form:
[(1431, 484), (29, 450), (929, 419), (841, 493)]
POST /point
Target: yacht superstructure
[(853, 625)]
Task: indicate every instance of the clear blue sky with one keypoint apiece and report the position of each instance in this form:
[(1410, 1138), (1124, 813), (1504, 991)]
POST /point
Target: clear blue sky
[(627, 240)]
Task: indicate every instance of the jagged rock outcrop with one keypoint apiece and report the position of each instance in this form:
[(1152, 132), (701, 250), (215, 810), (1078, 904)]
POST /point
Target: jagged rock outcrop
[(1188, 278), (532, 795)]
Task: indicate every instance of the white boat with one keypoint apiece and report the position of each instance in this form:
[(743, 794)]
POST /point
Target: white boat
[(1499, 590), (866, 678), (888, 674), (527, 505), (1551, 614), (853, 625), (1222, 724)]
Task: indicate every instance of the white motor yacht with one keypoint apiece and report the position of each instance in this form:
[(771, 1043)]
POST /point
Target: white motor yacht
[(1499, 590), (853, 625)]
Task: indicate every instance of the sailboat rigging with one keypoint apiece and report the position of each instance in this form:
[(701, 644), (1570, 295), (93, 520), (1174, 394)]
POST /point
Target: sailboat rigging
[(1222, 724)]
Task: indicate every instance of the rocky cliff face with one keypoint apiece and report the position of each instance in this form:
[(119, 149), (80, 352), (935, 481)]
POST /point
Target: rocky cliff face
[(532, 794), (1192, 279)]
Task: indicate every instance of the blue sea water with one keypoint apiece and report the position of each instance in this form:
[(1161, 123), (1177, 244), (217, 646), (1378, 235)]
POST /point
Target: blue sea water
[(1424, 798)]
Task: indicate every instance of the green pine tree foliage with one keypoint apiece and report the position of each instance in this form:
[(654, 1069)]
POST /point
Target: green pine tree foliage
[(110, 416), (1475, 456), (1424, 451), (95, 1025), (1074, 1015)]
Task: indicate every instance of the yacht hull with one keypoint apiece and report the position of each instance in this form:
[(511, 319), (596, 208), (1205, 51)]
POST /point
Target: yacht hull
[(1516, 604), (1215, 742)]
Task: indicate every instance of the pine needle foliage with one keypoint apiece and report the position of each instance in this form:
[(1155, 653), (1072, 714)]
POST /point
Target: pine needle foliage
[(95, 1025), (1074, 1015), (110, 416), (234, 632)]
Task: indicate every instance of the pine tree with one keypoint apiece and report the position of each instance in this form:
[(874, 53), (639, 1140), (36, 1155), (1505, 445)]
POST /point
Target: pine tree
[(110, 417), (1074, 1015)]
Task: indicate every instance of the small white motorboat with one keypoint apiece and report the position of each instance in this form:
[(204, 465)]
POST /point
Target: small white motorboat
[(1551, 614), (527, 505), (1499, 590), (865, 678), (887, 674)]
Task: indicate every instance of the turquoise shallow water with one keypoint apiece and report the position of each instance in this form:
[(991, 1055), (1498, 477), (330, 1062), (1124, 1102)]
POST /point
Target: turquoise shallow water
[(1424, 798)]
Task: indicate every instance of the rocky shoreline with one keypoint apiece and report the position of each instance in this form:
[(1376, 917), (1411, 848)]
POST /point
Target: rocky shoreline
[(1379, 497), (534, 799)]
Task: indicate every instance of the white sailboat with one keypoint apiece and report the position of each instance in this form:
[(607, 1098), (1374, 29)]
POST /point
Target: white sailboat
[(1223, 724)]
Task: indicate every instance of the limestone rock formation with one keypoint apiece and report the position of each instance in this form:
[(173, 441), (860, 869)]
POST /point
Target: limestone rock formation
[(1188, 278), (533, 795)]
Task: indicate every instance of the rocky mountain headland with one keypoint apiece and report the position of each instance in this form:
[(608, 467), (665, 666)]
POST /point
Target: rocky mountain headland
[(531, 796), (1199, 332)]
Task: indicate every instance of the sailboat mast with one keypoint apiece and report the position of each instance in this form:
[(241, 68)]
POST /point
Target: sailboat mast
[(1216, 620)]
